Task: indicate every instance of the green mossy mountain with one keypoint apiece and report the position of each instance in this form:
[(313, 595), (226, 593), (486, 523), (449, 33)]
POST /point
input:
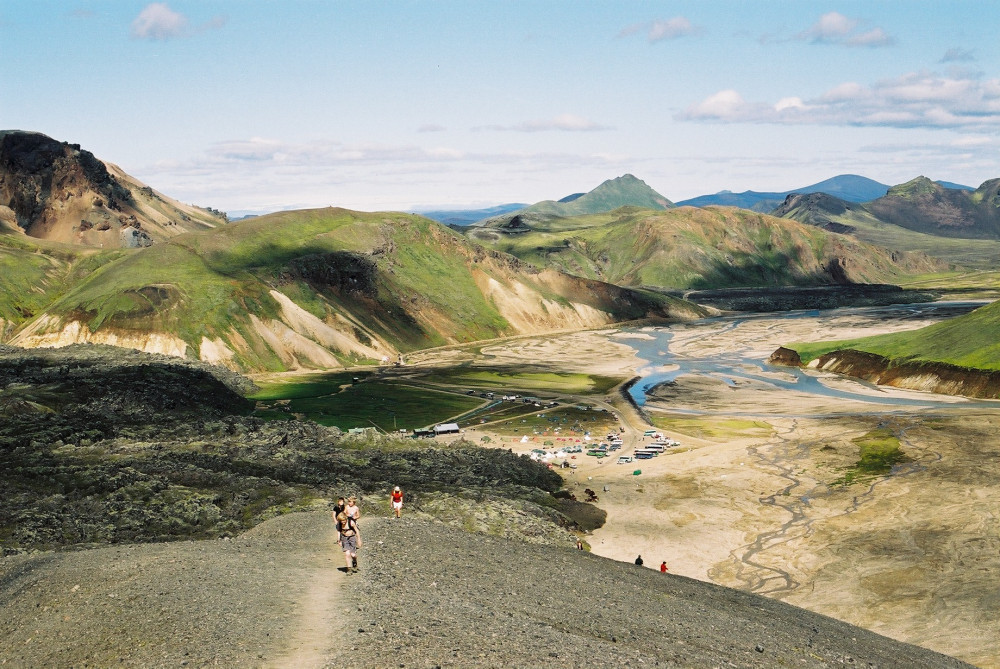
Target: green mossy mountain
[(623, 191), (314, 288), (689, 248)]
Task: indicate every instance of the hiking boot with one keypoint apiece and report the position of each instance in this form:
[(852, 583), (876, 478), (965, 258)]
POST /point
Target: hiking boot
[(355, 564)]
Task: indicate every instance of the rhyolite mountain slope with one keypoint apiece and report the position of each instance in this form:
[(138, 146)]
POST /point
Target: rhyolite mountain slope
[(57, 191), (623, 191), (958, 225), (313, 288), (920, 205), (693, 248), (849, 187), (925, 206)]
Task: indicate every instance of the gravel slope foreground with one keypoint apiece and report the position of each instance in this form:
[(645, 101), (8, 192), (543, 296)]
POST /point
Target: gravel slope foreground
[(264, 598), (436, 596), (428, 595)]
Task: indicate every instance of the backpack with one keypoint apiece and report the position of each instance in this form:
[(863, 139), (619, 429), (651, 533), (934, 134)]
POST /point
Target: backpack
[(349, 528)]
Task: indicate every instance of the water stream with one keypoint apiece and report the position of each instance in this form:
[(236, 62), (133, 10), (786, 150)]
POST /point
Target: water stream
[(743, 362)]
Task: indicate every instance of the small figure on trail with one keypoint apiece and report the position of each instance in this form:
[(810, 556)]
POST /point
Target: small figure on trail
[(349, 539), (638, 561), (397, 501), (663, 567), (579, 545), (352, 509)]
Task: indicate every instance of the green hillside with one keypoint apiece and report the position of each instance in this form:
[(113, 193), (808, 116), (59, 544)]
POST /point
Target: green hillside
[(701, 248), (972, 340), (625, 190), (35, 272), (314, 288)]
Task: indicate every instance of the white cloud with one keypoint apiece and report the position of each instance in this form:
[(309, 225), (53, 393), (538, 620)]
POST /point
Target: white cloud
[(916, 99), (662, 29), (158, 22), (563, 122), (268, 174), (724, 105), (789, 103), (671, 29), (831, 27), (845, 92), (874, 37), (431, 127), (835, 28)]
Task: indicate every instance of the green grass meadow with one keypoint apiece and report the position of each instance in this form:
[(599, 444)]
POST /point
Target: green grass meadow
[(386, 405)]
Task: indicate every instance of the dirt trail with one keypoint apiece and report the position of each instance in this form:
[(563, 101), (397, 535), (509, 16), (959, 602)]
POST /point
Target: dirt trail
[(310, 640), (270, 597)]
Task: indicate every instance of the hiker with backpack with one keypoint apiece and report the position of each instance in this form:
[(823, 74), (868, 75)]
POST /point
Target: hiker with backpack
[(349, 538)]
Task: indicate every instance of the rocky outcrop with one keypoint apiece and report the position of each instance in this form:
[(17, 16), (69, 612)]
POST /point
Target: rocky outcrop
[(60, 192), (785, 356), (38, 175), (934, 377)]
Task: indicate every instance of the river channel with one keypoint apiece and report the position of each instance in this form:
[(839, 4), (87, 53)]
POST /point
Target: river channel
[(742, 344)]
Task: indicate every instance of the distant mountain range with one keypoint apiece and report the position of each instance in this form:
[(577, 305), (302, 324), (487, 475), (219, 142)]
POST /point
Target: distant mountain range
[(919, 205), (622, 191), (627, 190), (849, 187)]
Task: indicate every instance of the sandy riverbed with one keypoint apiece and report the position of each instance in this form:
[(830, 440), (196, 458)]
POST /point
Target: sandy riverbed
[(752, 500)]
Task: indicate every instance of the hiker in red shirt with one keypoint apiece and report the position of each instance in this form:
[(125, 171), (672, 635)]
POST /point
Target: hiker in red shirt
[(663, 567), (397, 500)]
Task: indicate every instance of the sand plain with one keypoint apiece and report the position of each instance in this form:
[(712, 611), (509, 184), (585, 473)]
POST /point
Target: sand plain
[(755, 496)]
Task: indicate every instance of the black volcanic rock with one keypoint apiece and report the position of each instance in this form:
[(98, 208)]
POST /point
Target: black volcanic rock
[(35, 168), (785, 356), (812, 208)]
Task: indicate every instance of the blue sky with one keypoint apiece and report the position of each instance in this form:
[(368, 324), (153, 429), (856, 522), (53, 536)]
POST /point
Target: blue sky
[(247, 105)]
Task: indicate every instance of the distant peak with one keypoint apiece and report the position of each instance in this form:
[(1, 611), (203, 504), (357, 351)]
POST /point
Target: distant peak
[(918, 186)]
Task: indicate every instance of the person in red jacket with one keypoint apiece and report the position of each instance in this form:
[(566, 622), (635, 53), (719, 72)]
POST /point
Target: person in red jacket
[(397, 501), (663, 567)]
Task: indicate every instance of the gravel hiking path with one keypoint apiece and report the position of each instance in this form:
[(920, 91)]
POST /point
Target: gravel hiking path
[(268, 598)]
